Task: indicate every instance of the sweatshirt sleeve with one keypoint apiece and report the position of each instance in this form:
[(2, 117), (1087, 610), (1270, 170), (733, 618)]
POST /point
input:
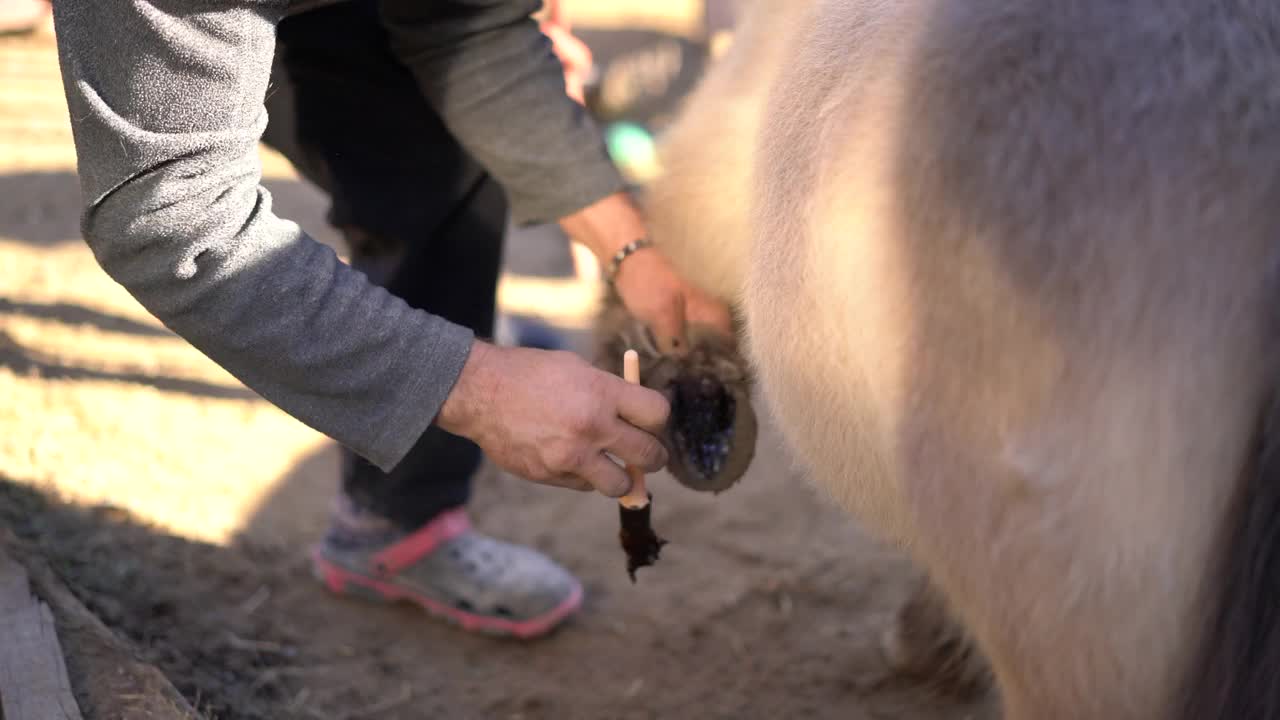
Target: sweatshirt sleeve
[(166, 102), (491, 74)]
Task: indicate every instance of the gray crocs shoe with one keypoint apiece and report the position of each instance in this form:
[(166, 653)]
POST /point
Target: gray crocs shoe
[(455, 573)]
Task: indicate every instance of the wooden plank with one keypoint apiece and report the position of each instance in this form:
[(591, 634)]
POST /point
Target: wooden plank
[(111, 681), (15, 591), (33, 676)]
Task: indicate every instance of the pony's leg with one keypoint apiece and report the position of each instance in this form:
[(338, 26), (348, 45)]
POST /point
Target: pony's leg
[(925, 641)]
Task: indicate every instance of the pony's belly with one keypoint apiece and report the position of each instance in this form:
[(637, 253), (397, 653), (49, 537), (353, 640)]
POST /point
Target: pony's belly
[(819, 384)]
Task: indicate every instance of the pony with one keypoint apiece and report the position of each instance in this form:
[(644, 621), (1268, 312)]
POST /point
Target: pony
[(1006, 274)]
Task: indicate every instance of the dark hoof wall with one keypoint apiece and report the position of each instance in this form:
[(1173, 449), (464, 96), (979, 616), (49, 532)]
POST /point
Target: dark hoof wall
[(711, 434)]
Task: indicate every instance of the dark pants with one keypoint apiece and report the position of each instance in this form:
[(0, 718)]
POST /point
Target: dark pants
[(423, 219)]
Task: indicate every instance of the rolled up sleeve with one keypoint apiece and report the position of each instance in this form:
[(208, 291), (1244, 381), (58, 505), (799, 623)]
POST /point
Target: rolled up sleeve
[(491, 74)]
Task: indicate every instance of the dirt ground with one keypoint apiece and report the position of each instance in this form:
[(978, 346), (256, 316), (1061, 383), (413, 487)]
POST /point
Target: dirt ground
[(178, 507)]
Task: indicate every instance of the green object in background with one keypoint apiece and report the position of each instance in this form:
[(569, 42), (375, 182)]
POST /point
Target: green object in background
[(631, 147)]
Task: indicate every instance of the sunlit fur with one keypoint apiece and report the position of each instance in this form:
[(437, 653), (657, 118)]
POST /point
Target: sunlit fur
[(1006, 269)]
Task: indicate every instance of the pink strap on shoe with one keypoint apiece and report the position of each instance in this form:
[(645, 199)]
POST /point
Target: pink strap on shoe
[(408, 551)]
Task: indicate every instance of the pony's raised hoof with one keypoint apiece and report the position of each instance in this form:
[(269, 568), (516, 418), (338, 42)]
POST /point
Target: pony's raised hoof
[(711, 434)]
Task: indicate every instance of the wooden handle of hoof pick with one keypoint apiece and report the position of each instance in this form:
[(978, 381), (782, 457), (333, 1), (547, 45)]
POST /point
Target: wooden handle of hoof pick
[(638, 496)]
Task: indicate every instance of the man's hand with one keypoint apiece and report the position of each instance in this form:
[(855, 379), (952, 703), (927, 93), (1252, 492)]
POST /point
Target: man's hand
[(550, 417), (656, 295), (647, 282)]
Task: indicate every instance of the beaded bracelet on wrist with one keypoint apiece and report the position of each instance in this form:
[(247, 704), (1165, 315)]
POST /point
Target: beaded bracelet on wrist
[(623, 254)]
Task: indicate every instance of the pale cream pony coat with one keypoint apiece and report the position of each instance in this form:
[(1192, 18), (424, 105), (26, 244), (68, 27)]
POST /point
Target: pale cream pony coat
[(1007, 273)]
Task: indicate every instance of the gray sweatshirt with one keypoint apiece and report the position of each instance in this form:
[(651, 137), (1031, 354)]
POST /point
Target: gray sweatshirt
[(166, 106)]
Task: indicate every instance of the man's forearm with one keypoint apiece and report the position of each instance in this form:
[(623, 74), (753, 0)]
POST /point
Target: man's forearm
[(166, 107)]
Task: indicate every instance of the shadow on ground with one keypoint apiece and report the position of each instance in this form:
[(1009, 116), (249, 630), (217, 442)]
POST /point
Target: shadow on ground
[(764, 606), (72, 314), (23, 361)]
